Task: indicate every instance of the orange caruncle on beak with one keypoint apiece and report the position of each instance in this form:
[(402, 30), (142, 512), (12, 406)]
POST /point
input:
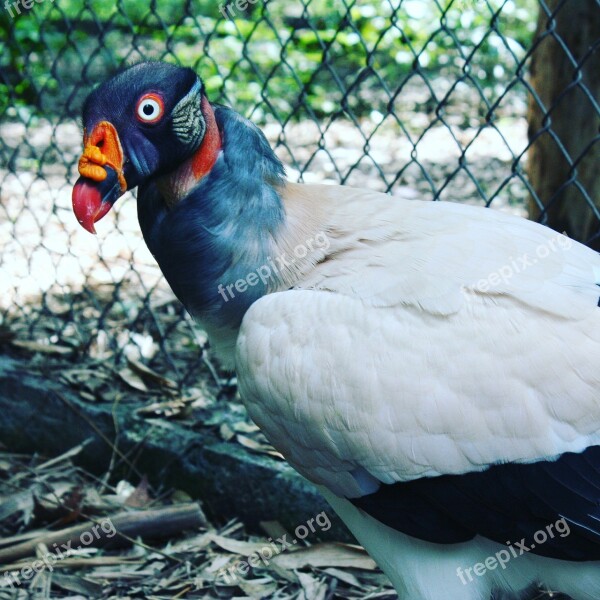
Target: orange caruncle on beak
[(102, 147), (102, 180)]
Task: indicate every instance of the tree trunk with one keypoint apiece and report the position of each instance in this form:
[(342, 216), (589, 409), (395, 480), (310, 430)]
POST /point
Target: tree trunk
[(564, 158)]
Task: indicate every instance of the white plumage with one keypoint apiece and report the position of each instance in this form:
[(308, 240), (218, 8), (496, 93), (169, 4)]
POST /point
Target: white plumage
[(401, 355)]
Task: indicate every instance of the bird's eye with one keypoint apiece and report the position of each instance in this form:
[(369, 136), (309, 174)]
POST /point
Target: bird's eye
[(150, 108)]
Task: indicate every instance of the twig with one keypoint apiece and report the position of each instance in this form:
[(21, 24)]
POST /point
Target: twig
[(78, 562), (68, 454), (163, 522), (100, 433), (133, 541), (114, 448)]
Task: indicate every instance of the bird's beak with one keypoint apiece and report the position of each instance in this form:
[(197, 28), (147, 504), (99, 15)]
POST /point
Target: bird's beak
[(102, 181)]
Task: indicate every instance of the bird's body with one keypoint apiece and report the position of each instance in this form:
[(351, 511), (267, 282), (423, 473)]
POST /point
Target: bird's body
[(432, 366)]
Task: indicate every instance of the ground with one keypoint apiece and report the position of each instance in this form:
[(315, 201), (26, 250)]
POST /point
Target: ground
[(61, 510)]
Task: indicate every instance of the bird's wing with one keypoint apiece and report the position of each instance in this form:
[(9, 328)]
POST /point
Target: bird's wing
[(433, 255), (355, 396), (348, 391), (405, 359), (437, 330)]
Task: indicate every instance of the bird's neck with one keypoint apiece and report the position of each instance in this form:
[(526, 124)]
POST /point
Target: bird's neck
[(177, 184), (212, 242)]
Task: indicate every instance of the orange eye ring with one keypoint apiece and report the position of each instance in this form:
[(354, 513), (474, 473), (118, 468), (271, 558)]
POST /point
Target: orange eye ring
[(150, 109)]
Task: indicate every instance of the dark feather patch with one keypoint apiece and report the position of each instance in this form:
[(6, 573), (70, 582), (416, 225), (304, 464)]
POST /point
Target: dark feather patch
[(187, 121), (222, 230), (505, 503)]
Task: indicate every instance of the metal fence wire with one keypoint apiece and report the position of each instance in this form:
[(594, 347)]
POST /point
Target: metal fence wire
[(458, 100)]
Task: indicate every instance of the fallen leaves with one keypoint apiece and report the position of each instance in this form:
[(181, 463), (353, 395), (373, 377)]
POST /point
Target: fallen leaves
[(167, 409), (317, 556), (238, 546), (249, 436), (43, 347), (326, 555), (119, 366), (188, 565), (257, 446), (144, 371), (133, 380)]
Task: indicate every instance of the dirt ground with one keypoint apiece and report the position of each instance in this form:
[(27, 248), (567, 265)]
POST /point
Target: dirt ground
[(67, 534)]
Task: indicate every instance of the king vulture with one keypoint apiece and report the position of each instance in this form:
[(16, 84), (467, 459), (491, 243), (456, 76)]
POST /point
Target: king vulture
[(433, 367)]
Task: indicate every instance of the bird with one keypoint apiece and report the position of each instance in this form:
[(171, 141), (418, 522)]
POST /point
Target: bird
[(432, 367)]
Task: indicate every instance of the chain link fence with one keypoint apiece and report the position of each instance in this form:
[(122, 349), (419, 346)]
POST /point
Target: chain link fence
[(425, 99)]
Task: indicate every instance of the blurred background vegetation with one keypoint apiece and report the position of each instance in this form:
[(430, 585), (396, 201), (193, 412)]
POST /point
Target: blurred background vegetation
[(301, 59)]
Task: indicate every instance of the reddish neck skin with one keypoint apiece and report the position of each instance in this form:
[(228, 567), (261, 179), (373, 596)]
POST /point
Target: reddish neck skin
[(206, 156), (178, 183)]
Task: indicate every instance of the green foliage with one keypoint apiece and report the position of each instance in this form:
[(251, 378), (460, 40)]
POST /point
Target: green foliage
[(327, 53)]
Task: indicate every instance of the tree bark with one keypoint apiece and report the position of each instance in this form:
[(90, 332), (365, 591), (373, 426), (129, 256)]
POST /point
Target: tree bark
[(564, 157)]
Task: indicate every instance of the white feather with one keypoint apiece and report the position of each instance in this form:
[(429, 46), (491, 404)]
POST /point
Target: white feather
[(398, 361)]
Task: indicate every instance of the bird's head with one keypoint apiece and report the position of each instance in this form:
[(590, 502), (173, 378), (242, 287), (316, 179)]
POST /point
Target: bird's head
[(142, 123)]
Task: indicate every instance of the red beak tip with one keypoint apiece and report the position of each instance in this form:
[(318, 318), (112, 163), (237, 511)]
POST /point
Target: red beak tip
[(89, 226), (87, 204)]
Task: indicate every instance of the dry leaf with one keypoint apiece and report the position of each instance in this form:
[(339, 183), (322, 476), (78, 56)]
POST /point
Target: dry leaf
[(245, 427), (199, 398), (133, 380), (258, 588), (124, 489), (79, 585), (217, 564), (312, 589), (22, 502), (326, 555), (344, 576), (257, 446), (170, 408), (140, 497), (90, 379), (226, 432), (43, 348), (237, 546), (142, 369)]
